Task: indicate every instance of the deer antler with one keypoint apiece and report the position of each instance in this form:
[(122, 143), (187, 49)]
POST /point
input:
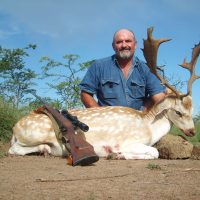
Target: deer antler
[(191, 67), (150, 52)]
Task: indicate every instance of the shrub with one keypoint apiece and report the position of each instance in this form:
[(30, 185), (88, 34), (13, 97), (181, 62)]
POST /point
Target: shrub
[(8, 117)]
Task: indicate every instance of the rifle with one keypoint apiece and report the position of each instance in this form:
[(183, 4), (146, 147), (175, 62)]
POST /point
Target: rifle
[(81, 151)]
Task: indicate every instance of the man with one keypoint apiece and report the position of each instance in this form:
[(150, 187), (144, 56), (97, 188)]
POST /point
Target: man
[(121, 79)]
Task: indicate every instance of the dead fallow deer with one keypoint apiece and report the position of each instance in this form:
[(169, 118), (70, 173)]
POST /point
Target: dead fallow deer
[(124, 131)]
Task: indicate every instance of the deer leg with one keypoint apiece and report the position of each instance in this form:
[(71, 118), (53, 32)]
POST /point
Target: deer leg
[(17, 149), (138, 151)]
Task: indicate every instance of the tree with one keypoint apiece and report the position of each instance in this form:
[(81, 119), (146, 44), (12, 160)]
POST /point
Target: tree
[(53, 103), (66, 78), (15, 78)]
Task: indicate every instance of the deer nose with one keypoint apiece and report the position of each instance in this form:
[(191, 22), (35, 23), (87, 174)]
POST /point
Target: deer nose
[(190, 132)]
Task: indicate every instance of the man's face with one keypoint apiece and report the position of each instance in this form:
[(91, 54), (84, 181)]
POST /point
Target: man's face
[(124, 44)]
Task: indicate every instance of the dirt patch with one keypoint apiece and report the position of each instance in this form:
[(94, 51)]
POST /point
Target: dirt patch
[(36, 177), (4, 147), (39, 177)]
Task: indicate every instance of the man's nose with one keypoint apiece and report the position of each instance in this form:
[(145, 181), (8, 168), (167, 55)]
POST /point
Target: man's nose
[(124, 44)]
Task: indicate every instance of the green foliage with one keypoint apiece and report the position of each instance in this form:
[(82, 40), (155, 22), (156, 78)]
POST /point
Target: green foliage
[(65, 78), (2, 154), (14, 76), (34, 104), (196, 138), (8, 117), (53, 103)]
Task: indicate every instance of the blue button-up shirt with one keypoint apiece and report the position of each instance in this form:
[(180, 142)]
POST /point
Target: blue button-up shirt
[(106, 79)]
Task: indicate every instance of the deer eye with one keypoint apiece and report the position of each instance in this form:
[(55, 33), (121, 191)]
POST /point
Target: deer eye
[(179, 113)]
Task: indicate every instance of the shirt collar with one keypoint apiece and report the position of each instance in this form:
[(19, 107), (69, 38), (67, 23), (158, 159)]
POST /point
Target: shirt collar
[(134, 63)]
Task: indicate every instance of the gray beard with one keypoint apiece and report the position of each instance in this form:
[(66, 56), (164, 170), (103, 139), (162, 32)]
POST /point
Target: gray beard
[(124, 54)]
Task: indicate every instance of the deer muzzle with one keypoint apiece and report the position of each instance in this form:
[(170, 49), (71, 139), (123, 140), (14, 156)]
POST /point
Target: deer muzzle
[(189, 132)]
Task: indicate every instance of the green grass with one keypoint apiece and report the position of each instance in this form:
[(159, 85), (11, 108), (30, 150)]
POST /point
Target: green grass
[(195, 139), (153, 166), (2, 154)]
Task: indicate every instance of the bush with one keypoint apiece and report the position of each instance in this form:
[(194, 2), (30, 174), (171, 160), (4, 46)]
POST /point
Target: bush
[(8, 117)]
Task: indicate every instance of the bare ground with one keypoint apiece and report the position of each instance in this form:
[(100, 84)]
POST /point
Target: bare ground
[(36, 177)]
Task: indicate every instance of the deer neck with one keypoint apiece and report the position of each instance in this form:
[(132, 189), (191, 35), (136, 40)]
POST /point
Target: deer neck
[(159, 109), (158, 119)]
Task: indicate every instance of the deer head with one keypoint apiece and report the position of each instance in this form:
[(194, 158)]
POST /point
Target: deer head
[(181, 112)]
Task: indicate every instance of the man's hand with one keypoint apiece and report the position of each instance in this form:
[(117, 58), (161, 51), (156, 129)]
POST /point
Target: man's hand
[(88, 100), (150, 102)]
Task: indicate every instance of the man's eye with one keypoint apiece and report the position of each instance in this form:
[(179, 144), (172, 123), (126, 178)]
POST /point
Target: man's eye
[(179, 113), (119, 41)]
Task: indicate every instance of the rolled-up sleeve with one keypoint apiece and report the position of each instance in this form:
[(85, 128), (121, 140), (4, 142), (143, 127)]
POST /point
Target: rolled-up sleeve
[(89, 83)]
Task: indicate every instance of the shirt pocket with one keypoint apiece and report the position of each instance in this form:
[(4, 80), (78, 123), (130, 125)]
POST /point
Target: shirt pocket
[(110, 88), (138, 89)]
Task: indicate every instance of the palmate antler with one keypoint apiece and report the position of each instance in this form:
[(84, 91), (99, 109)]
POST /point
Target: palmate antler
[(150, 52)]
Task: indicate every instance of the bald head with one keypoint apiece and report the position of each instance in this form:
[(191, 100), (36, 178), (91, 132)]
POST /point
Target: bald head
[(124, 44), (122, 32)]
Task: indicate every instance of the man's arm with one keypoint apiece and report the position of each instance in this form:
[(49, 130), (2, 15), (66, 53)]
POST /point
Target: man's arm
[(150, 102), (88, 100)]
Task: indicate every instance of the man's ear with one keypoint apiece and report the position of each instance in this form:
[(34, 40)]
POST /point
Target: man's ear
[(113, 46)]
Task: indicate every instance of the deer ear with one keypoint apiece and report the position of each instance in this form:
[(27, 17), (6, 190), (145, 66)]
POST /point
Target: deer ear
[(187, 102)]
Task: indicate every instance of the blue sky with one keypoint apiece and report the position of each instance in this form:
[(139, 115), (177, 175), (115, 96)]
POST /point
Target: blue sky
[(86, 27)]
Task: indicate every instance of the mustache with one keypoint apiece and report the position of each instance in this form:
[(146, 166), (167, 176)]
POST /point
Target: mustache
[(122, 49)]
